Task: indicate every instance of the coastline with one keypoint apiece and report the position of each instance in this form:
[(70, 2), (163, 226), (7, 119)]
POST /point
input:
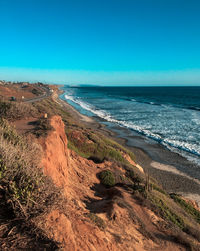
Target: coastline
[(172, 171)]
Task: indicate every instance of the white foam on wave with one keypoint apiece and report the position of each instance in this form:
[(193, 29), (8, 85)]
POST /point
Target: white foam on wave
[(184, 153), (173, 145), (104, 115), (183, 146)]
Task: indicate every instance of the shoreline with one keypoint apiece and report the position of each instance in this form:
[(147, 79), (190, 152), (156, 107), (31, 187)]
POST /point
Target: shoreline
[(172, 171)]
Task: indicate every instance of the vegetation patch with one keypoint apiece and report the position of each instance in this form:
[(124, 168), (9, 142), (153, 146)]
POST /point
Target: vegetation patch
[(94, 146), (52, 108), (107, 178), (167, 213), (9, 134), (42, 127), (36, 92), (75, 149), (159, 189), (15, 110), (134, 177), (28, 192), (187, 207)]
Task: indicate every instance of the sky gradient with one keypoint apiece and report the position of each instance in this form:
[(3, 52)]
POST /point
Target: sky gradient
[(122, 42)]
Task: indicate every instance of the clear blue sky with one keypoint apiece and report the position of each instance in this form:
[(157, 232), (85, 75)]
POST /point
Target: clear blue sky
[(101, 41)]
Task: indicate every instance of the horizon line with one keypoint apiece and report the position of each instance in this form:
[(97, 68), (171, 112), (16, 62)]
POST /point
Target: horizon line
[(188, 77)]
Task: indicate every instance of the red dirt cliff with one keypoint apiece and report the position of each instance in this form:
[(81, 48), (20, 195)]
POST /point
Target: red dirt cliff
[(74, 228), (56, 155)]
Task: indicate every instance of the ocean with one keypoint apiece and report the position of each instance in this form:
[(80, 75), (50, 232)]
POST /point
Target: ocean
[(167, 115)]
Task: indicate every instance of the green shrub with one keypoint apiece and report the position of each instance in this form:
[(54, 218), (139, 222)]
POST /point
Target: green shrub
[(134, 177), (36, 92), (52, 108), (107, 178), (8, 133), (130, 173), (4, 108), (42, 127)]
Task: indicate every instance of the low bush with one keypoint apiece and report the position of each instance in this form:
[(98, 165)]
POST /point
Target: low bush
[(135, 178), (52, 108), (36, 92), (42, 127), (8, 133), (107, 178)]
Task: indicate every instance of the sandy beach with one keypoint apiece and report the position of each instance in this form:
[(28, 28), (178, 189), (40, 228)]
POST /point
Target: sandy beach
[(173, 172)]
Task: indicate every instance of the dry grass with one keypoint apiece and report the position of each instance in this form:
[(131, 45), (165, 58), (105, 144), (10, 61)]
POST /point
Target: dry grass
[(26, 193), (15, 110), (97, 220)]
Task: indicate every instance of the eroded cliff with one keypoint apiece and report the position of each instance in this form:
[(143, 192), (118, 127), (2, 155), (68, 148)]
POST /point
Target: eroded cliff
[(96, 217)]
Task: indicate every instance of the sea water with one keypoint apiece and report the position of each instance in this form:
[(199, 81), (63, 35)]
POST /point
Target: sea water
[(168, 115)]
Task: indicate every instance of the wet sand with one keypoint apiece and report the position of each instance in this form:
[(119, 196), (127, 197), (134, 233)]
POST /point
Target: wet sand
[(172, 171)]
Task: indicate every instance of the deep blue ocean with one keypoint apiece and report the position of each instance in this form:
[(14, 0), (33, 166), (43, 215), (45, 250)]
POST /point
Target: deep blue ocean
[(168, 115)]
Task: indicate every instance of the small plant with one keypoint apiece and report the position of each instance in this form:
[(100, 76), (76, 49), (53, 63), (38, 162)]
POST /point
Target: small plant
[(135, 178), (107, 178), (139, 188), (131, 174), (42, 128), (4, 108), (8, 132), (36, 92)]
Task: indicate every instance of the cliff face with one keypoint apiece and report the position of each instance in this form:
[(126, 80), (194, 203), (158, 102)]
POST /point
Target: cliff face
[(96, 218), (56, 155), (69, 172)]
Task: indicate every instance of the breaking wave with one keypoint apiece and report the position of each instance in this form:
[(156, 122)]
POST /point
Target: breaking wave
[(173, 145)]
